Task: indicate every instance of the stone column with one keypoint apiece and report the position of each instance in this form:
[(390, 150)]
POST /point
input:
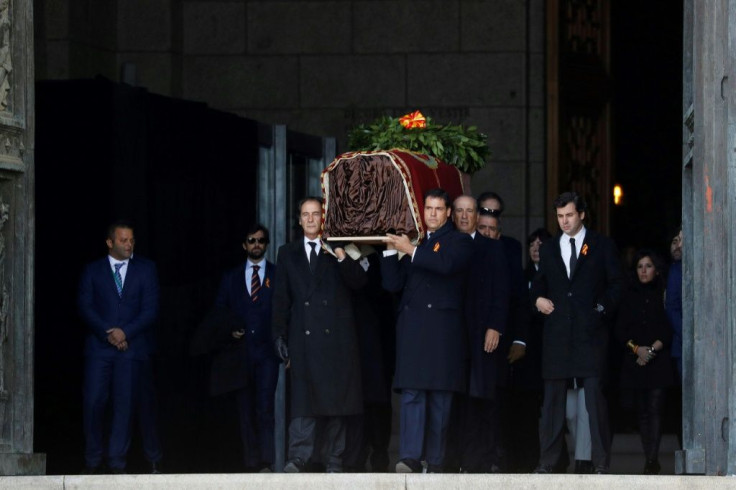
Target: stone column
[(16, 240)]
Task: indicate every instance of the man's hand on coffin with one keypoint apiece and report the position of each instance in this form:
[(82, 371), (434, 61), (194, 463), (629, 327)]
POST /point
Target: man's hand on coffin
[(339, 249), (400, 243), (336, 245)]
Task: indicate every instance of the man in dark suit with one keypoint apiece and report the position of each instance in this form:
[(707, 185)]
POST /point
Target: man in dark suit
[(578, 286), (247, 292), (315, 335), (431, 341), (513, 344), (118, 301), (486, 312)]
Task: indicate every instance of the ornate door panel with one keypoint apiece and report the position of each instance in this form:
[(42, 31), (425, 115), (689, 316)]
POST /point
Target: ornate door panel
[(578, 91), (16, 240)]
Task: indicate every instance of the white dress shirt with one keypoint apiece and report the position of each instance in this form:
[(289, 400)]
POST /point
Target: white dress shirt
[(308, 248), (123, 269)]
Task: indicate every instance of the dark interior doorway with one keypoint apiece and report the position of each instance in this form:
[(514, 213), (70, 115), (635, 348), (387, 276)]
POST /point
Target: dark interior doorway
[(186, 176)]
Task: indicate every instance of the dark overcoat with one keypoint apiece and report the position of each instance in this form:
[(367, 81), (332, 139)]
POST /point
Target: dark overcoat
[(642, 319), (517, 325), (486, 306), (575, 339), (431, 341), (314, 313)]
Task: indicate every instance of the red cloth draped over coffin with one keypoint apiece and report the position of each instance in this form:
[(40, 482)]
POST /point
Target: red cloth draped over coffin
[(367, 194)]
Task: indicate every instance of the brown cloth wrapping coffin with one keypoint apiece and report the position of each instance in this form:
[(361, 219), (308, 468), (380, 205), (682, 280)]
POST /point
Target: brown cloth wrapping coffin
[(379, 192)]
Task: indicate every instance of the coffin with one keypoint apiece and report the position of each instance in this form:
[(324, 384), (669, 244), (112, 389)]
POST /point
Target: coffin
[(369, 194)]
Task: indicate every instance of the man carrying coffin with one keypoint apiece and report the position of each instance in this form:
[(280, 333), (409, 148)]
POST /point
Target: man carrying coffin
[(315, 336), (431, 341)]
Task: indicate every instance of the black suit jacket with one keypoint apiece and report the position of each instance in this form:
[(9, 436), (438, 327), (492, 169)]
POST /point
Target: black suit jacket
[(576, 336), (314, 313), (486, 306)]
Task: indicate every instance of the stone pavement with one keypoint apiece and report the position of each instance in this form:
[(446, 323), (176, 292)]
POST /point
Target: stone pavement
[(367, 482)]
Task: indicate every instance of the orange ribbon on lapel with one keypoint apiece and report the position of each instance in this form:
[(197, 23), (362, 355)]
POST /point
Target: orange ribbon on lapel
[(584, 250), (413, 120), (436, 247)]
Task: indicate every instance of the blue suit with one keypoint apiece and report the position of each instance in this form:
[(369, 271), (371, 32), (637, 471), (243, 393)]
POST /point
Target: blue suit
[(431, 340), (256, 399), (109, 371)]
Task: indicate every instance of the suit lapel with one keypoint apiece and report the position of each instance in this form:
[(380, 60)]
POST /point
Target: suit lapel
[(588, 244), (557, 254), (130, 275), (109, 275)]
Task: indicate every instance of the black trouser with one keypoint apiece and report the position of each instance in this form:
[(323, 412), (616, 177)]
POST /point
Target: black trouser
[(369, 433), (649, 408), (551, 431)]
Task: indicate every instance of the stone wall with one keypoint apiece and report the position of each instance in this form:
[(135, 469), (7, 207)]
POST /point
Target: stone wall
[(321, 67)]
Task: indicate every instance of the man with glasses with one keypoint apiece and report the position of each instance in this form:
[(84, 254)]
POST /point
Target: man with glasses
[(246, 291)]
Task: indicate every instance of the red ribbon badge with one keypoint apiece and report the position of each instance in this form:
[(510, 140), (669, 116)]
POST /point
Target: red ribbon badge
[(413, 120)]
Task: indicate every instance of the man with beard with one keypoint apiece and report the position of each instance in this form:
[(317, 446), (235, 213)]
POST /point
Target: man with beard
[(246, 292)]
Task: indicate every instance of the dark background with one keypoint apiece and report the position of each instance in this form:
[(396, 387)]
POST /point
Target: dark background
[(646, 66), (186, 176)]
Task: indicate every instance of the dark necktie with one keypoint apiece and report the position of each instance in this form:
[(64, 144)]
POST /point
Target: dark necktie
[(313, 257), (119, 279), (255, 283), (573, 256)]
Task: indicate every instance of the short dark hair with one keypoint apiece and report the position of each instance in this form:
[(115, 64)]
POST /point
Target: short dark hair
[(540, 233), (302, 202), (118, 224), (492, 195), (570, 197), (255, 228), (438, 193), (659, 265), (674, 231)]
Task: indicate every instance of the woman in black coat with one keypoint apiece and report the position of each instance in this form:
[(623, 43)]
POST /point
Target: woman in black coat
[(642, 329)]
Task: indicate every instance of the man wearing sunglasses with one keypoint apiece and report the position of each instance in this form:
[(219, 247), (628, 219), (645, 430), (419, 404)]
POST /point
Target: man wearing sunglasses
[(246, 291)]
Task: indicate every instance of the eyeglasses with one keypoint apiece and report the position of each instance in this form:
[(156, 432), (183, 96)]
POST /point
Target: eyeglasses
[(490, 212), (253, 240)]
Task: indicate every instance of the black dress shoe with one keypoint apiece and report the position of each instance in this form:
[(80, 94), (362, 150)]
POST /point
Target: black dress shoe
[(652, 467), (583, 467), (92, 470), (156, 468), (601, 470), (543, 469), (295, 465), (408, 465), (434, 468), (118, 471)]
